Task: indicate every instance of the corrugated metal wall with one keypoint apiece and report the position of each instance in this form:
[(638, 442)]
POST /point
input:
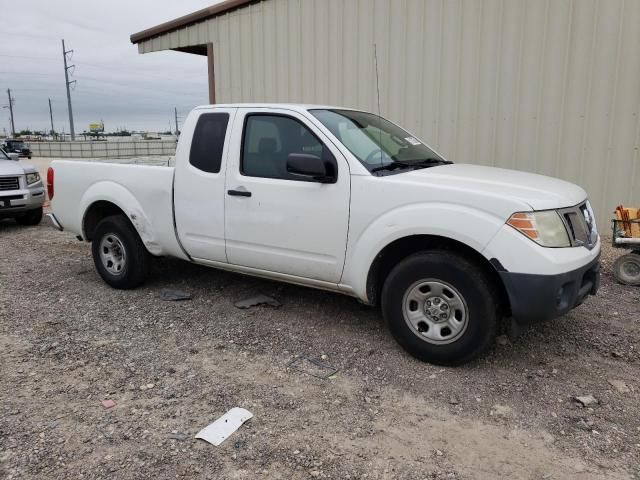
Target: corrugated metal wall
[(548, 86)]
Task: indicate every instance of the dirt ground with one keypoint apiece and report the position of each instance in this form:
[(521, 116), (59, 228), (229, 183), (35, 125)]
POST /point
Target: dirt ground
[(67, 342)]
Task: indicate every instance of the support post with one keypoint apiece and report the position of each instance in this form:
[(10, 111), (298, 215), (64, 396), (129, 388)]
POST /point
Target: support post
[(13, 127), (51, 117), (67, 83), (211, 73)]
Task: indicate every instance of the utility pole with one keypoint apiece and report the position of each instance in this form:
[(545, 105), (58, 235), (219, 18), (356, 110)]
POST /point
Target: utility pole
[(51, 116), (175, 112), (67, 83), (13, 127)]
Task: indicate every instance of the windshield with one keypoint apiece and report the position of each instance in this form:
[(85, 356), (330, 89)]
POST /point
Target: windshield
[(3, 155), (374, 141)]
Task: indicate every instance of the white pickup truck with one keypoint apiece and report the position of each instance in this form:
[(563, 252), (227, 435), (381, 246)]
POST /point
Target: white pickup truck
[(346, 201)]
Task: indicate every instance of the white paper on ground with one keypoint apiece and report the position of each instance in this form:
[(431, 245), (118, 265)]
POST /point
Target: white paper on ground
[(222, 428)]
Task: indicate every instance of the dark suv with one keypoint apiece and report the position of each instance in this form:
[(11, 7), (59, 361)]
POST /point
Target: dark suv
[(13, 145)]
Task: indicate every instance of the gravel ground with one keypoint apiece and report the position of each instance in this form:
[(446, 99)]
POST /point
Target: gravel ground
[(68, 342)]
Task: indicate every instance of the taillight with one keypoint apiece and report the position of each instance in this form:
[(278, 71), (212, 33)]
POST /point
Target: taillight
[(50, 183)]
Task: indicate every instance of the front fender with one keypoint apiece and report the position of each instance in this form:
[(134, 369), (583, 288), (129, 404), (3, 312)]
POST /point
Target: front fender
[(472, 227), (121, 197)]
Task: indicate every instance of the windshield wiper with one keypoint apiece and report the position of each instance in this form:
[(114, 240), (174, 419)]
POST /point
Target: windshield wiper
[(391, 166), (429, 161), (394, 165)]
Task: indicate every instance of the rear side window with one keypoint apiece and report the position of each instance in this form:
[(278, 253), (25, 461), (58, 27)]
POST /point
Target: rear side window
[(208, 142)]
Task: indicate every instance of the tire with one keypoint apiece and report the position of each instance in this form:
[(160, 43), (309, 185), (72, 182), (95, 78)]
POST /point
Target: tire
[(32, 217), (627, 269), (414, 297), (118, 253)]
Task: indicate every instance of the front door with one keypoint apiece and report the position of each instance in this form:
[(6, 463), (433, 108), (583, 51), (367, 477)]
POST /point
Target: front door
[(277, 221)]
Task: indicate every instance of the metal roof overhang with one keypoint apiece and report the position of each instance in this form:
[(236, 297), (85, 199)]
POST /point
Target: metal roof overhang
[(192, 18)]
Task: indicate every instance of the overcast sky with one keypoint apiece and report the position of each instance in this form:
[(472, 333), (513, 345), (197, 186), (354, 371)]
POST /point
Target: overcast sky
[(114, 83)]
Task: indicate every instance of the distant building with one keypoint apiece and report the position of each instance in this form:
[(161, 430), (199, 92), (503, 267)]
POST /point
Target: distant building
[(549, 86)]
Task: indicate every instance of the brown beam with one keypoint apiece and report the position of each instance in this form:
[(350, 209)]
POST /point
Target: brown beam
[(211, 73)]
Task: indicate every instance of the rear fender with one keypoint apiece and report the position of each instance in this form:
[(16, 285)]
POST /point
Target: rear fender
[(122, 198)]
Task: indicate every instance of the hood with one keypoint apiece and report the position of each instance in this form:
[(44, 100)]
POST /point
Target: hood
[(11, 167), (537, 191)]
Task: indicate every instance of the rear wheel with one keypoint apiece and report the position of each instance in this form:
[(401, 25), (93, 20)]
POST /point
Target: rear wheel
[(118, 253), (627, 269), (32, 217), (440, 307)]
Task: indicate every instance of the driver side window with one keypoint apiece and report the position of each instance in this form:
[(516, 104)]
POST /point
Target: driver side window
[(267, 142)]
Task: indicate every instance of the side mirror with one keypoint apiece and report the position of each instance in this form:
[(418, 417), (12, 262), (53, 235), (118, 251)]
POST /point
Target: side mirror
[(14, 156), (310, 166)]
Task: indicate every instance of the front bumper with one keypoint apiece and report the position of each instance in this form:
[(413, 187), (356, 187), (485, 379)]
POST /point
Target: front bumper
[(15, 202), (536, 298)]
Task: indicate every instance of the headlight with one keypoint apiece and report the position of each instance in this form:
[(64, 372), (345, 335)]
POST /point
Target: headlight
[(32, 178), (545, 228), (590, 218)]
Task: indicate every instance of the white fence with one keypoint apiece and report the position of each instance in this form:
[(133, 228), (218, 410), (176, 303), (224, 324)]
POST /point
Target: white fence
[(102, 149)]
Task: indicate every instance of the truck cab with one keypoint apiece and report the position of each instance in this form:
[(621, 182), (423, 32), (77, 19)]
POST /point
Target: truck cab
[(346, 201)]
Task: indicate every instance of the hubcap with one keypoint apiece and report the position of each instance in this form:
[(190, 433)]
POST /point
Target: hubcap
[(112, 254), (435, 311), (632, 269)]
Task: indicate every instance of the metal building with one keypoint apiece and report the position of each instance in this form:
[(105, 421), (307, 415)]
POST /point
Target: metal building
[(548, 86)]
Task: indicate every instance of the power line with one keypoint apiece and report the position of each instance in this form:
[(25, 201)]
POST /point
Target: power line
[(123, 84), (38, 74), (106, 67), (29, 57), (30, 35)]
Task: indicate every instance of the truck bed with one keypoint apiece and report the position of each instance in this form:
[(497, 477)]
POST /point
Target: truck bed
[(143, 192)]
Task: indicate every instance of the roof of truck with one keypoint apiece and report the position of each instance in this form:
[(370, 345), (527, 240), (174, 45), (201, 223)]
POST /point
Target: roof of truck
[(288, 106)]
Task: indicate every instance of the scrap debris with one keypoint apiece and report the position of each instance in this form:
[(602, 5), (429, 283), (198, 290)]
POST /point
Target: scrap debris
[(223, 427), (620, 386), (179, 436), (587, 400), (108, 404), (258, 300), (313, 367), (169, 295)]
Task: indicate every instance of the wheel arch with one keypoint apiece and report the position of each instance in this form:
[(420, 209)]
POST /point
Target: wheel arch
[(109, 198), (95, 213), (399, 249)]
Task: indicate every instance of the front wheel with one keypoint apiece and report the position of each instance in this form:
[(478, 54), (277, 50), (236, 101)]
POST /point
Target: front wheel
[(118, 253), (440, 307), (32, 217)]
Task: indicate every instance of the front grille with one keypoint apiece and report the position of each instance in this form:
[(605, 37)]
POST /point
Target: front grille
[(580, 225), (9, 183)]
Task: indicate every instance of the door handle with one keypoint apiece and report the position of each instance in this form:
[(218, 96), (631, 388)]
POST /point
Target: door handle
[(239, 193)]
